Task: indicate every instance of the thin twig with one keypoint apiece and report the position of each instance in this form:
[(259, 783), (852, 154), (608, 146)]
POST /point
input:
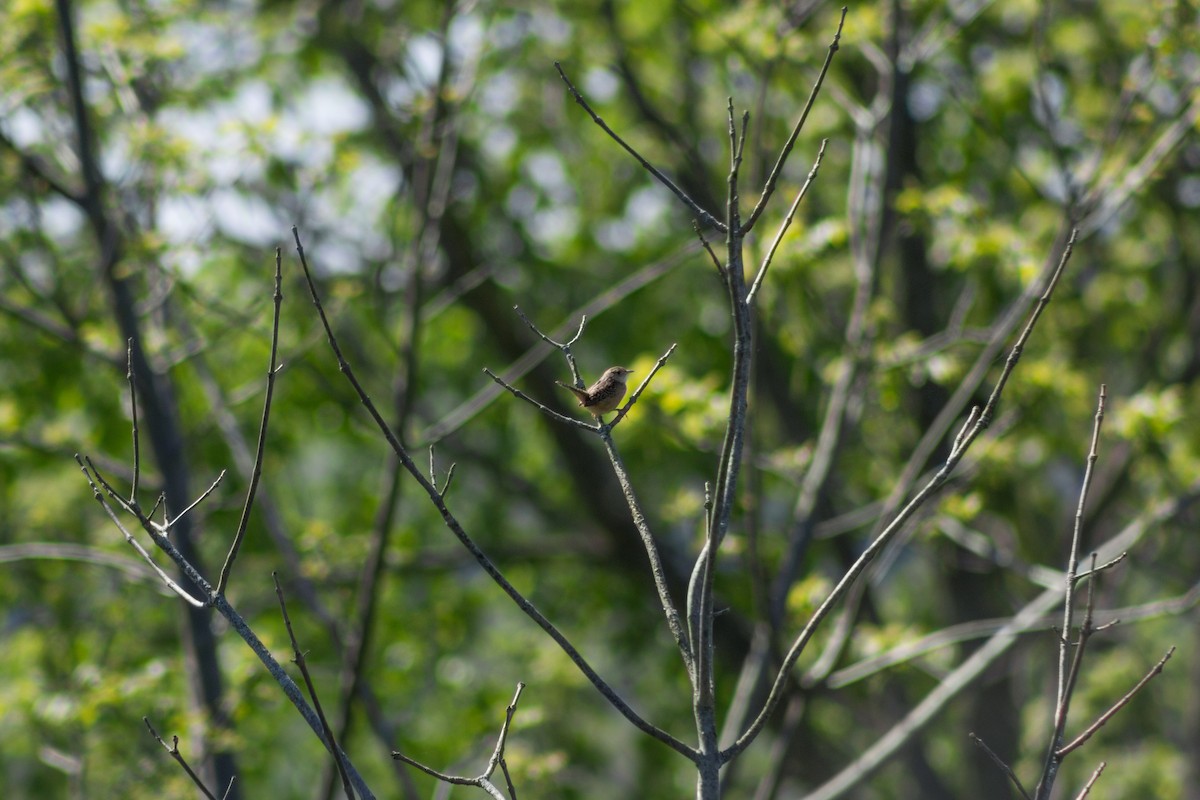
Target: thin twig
[(461, 534), (633, 398), (203, 496), (137, 451), (787, 222), (563, 347), (674, 621), (704, 243), (769, 188), (1070, 660), (134, 543), (999, 762), (498, 752), (299, 661), (173, 750), (1087, 787), (256, 471), (544, 408), (705, 217), (482, 780), (1076, 541), (939, 478), (1079, 740), (1101, 568)]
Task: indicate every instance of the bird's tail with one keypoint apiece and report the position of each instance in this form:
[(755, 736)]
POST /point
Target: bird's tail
[(575, 390)]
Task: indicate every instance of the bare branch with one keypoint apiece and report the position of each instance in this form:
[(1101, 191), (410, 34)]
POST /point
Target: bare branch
[(705, 217), (482, 780), (999, 762), (708, 248), (256, 471), (1124, 701), (674, 621), (787, 222), (769, 188), (1087, 788), (134, 543), (1070, 660), (173, 750), (137, 450), (461, 534), (939, 478), (542, 407), (203, 496), (563, 347), (299, 661)]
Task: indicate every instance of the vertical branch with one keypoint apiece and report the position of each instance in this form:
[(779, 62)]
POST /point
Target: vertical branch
[(137, 450), (312, 691), (256, 472), (159, 407), (432, 170), (1068, 667)]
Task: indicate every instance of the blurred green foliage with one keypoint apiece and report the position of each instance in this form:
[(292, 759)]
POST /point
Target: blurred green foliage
[(219, 125)]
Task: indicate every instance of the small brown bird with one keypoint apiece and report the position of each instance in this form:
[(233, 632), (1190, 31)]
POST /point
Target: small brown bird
[(605, 394)]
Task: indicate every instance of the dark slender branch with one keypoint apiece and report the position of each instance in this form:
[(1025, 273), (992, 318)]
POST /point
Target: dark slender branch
[(1073, 558), (1107, 565), (674, 621), (1087, 787), (37, 167), (256, 471), (962, 676), (461, 534), (787, 222), (544, 408), (562, 347), (299, 661), (482, 780), (1070, 660), (173, 750), (637, 393), (134, 543), (203, 496), (1086, 630), (218, 602), (705, 217), (538, 331), (512, 790), (137, 450), (704, 243), (1079, 740), (502, 739), (1004, 767), (769, 187), (939, 478)]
